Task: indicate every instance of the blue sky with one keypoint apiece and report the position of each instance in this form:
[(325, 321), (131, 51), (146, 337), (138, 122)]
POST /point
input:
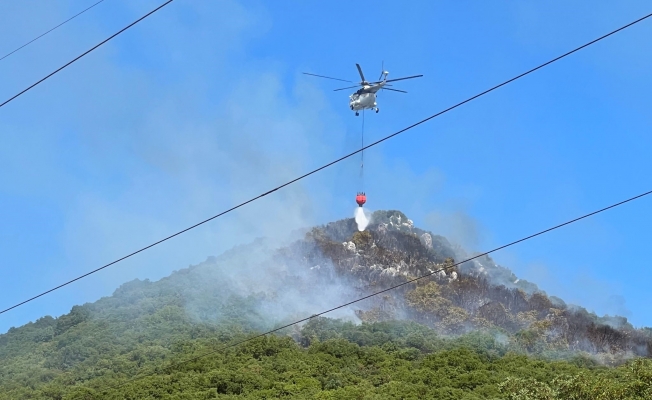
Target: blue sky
[(203, 105)]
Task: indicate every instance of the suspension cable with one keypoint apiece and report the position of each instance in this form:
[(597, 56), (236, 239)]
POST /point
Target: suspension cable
[(362, 154)]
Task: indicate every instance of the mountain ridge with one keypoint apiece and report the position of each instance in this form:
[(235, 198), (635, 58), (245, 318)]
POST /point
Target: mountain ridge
[(387, 253)]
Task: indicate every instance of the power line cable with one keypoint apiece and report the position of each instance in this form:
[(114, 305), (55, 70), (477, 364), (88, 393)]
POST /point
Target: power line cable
[(388, 289), (87, 51), (322, 167), (40, 36)]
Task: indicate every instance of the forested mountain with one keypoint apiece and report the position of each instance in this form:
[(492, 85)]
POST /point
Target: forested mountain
[(473, 331)]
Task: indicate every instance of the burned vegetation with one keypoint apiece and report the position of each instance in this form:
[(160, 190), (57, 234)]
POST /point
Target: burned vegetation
[(456, 299)]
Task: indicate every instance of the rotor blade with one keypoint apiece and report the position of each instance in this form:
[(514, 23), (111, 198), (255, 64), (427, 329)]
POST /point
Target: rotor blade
[(350, 87), (407, 77), (382, 69), (360, 71), (394, 90), (327, 77)]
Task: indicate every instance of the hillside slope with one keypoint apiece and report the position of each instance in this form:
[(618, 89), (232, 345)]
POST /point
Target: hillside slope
[(259, 286)]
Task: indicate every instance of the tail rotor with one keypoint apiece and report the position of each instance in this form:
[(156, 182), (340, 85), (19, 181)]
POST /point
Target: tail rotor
[(383, 73)]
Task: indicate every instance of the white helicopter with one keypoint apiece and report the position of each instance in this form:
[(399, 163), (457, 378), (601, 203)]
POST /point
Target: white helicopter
[(365, 97)]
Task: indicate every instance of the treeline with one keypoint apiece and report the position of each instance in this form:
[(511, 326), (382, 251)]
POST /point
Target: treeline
[(330, 359)]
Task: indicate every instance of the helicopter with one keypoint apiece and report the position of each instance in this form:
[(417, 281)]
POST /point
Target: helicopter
[(365, 97)]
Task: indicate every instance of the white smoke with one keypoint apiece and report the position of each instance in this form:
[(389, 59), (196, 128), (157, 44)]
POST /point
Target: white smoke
[(361, 218)]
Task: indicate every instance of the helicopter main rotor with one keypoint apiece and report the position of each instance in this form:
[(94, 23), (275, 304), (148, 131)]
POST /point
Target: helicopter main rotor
[(363, 81), (369, 85)]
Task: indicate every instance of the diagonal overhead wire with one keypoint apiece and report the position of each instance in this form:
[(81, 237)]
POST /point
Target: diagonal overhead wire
[(222, 348), (43, 34), (324, 166), (85, 53)]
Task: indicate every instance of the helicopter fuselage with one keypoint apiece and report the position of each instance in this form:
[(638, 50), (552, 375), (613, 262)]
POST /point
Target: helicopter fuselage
[(361, 101), (365, 98)]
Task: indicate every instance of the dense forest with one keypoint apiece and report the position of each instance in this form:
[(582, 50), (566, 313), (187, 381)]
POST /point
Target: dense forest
[(472, 331), (326, 359)]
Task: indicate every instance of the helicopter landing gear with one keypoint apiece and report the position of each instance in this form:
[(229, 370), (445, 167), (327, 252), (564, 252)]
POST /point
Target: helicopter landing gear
[(377, 109), (357, 113)]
